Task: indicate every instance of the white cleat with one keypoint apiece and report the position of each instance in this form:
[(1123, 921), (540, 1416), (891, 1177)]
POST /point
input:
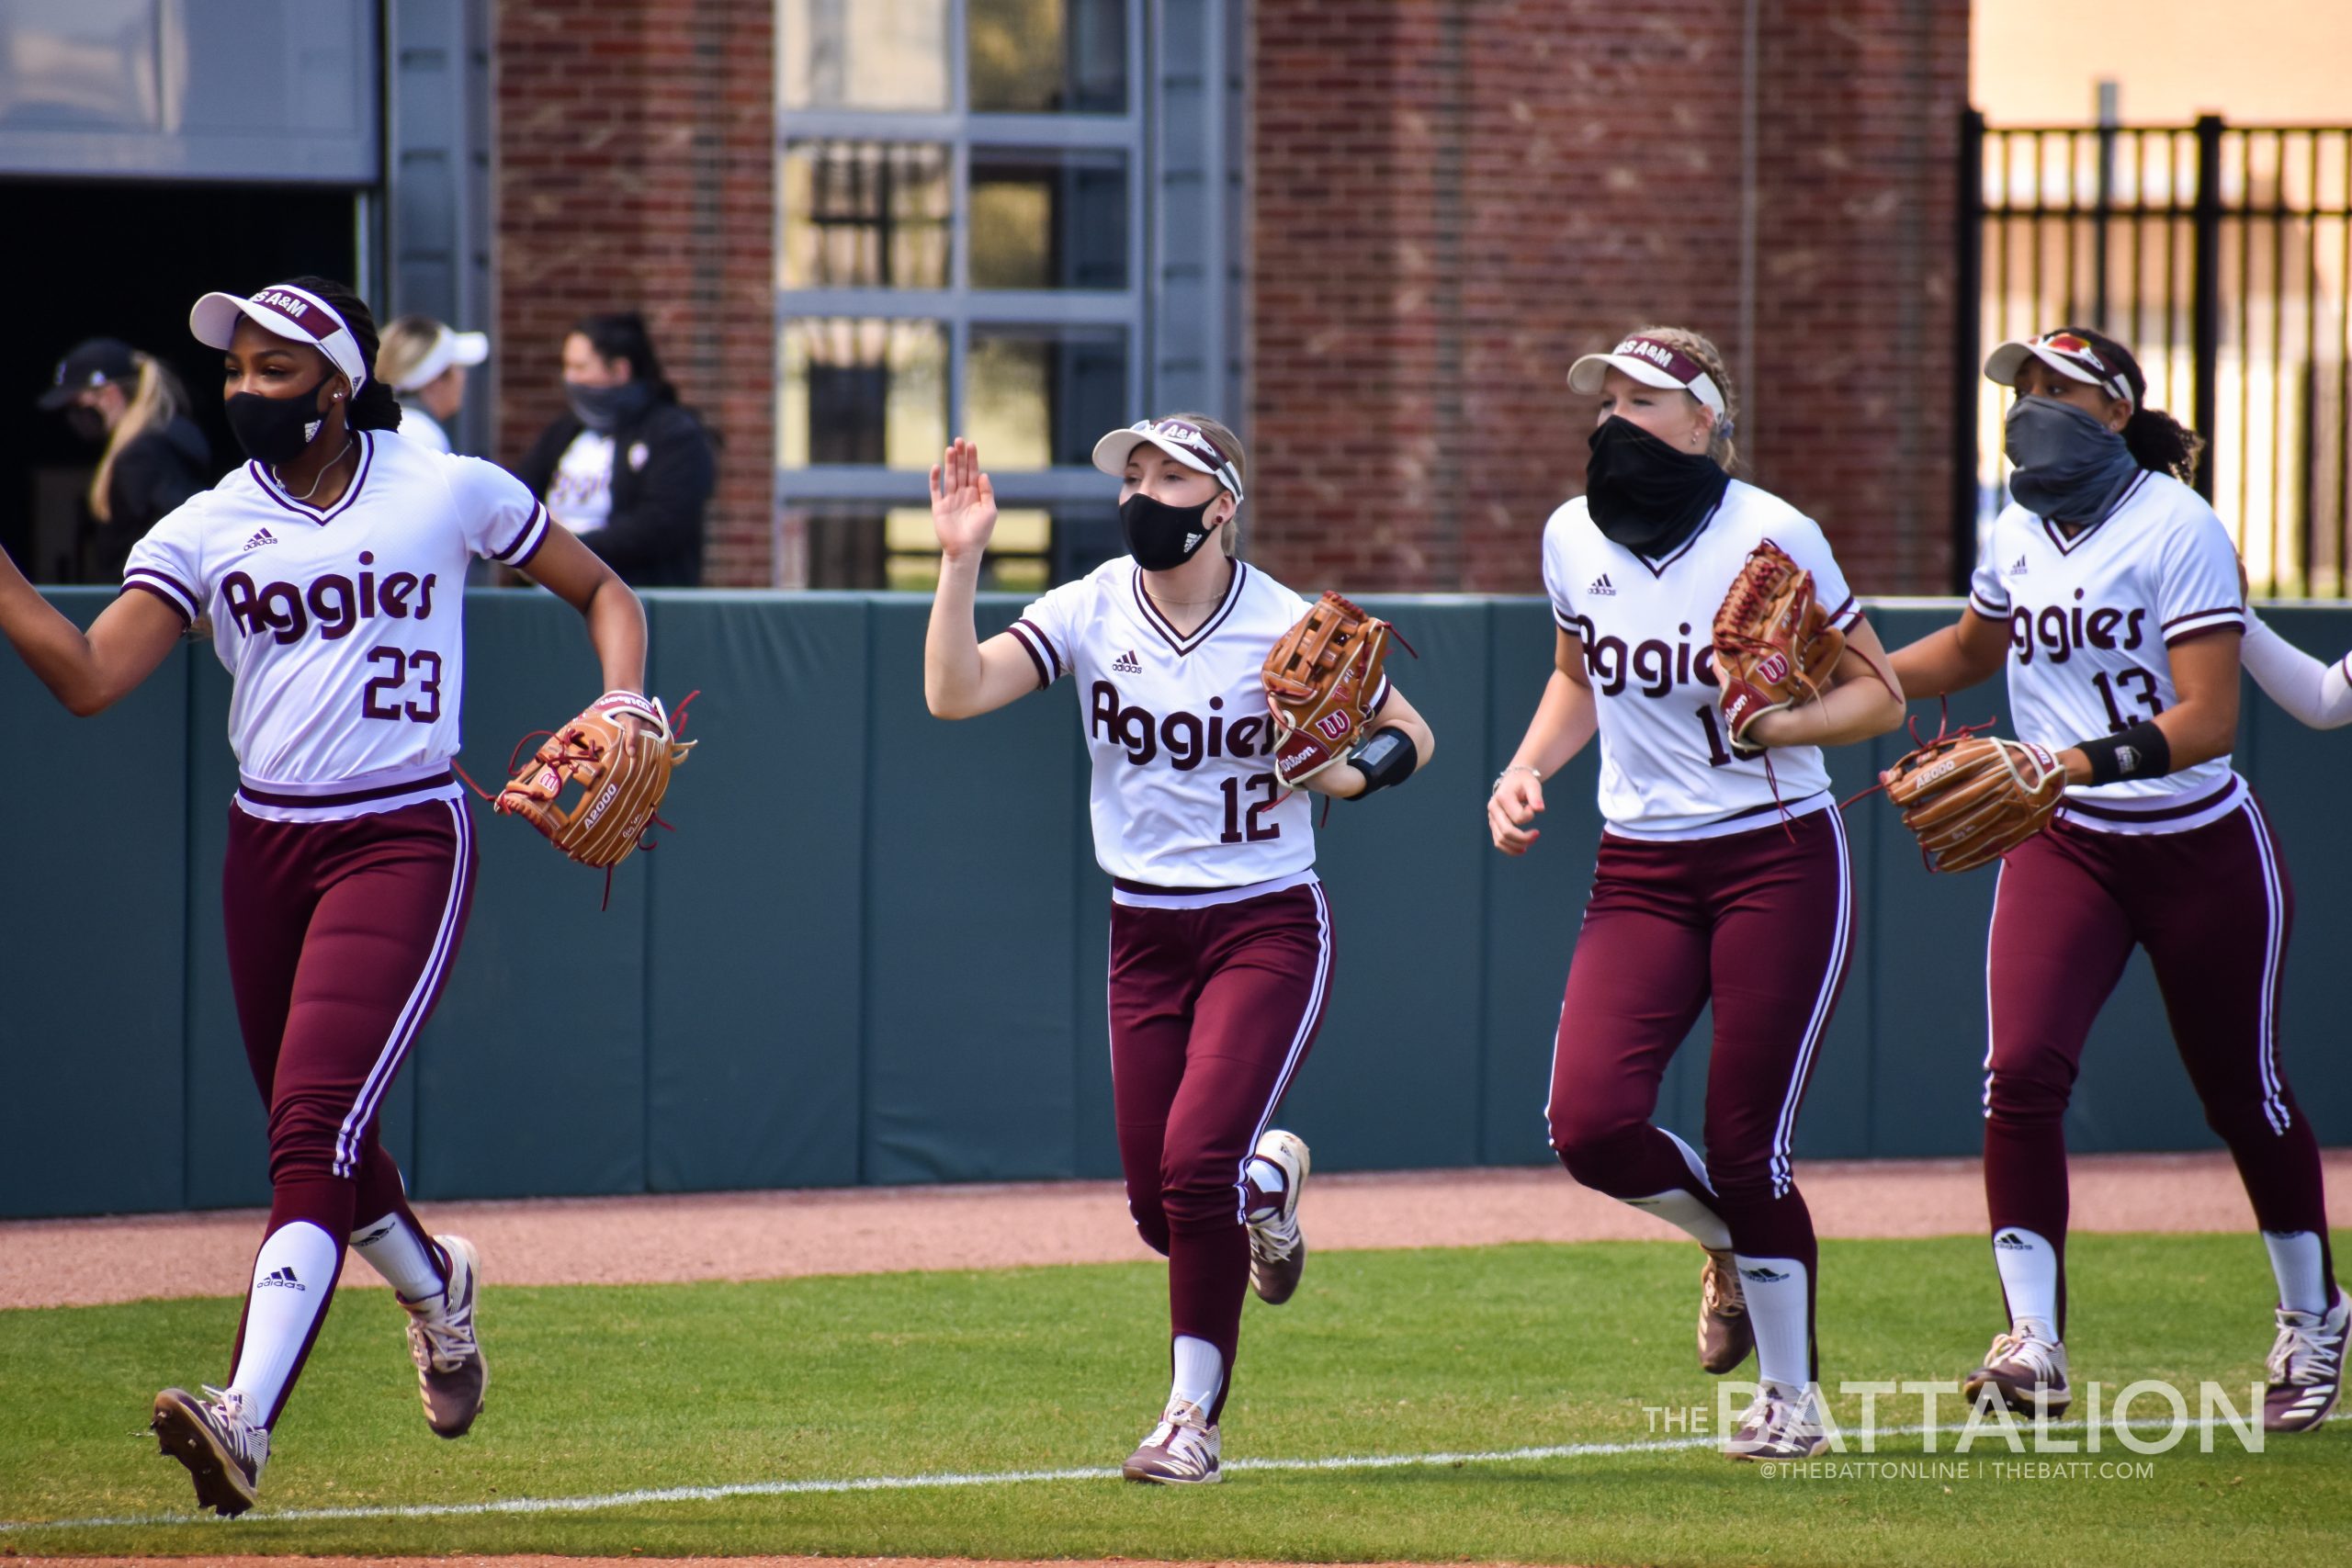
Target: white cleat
[(1277, 1247), (2306, 1367), (1180, 1452), (1782, 1423), (2025, 1371)]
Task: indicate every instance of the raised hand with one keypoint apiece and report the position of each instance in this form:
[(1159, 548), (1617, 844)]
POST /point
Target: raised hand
[(963, 501)]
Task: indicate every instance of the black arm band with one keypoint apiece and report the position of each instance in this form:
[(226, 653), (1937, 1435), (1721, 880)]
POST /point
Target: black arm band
[(1387, 759), (2139, 753)]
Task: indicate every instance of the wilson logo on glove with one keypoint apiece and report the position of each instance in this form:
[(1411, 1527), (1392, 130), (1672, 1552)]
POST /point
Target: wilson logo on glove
[(1323, 683), (621, 753)]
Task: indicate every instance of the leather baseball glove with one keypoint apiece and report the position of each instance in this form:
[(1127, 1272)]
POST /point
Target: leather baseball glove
[(1973, 798), (1321, 680), (622, 770), (1774, 646)]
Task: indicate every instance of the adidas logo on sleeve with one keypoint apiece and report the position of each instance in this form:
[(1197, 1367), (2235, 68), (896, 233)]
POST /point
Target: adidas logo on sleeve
[(283, 1278)]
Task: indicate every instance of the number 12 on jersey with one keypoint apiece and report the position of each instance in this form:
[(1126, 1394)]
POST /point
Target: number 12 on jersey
[(1257, 830)]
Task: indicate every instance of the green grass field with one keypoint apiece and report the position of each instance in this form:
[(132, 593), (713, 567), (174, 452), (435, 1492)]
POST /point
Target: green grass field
[(602, 1390)]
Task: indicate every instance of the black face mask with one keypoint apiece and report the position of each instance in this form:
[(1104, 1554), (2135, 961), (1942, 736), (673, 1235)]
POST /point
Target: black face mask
[(2069, 465), (1162, 537), (1643, 494), (86, 422), (606, 409), (275, 430)]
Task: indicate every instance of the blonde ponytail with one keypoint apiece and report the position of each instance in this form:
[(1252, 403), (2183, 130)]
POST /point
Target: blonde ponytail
[(154, 402)]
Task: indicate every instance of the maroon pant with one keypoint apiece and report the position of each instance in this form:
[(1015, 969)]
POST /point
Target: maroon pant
[(2213, 908), (340, 937), (1212, 1010), (1761, 924)]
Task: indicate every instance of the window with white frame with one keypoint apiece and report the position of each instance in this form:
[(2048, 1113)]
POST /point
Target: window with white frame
[(963, 249)]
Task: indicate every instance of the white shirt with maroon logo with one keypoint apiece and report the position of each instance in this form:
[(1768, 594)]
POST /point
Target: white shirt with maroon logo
[(343, 629), (1185, 806), (2090, 619), (1667, 767)]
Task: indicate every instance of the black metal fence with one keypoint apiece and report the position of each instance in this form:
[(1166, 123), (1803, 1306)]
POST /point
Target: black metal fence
[(2223, 255)]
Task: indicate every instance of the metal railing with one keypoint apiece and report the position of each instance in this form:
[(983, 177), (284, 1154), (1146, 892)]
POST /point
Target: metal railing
[(2221, 255)]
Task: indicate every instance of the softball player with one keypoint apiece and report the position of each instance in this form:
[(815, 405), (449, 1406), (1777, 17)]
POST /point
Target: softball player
[(331, 567), (2110, 592), (1221, 940), (1721, 873)]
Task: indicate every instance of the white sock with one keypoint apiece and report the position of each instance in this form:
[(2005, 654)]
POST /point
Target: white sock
[(2294, 1258), (293, 1276), (1200, 1372), (1777, 1294), (398, 1253), (2028, 1266), (1266, 1177), (1682, 1209)]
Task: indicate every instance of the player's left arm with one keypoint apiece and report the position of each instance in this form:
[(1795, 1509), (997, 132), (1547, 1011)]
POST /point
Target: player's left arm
[(1346, 780), (615, 616), (1864, 699), (2201, 724)]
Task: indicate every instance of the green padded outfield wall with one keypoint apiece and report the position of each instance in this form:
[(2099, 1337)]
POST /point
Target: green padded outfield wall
[(874, 950)]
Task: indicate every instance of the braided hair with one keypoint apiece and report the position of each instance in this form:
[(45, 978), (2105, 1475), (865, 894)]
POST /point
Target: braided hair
[(373, 407), (1711, 359), (2158, 442)]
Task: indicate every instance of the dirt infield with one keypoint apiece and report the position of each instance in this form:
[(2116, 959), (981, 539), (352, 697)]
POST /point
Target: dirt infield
[(759, 1235)]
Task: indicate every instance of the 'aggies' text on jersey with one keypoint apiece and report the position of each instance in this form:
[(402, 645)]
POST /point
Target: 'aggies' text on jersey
[(344, 627), (1666, 770), (2091, 618), (1184, 795)]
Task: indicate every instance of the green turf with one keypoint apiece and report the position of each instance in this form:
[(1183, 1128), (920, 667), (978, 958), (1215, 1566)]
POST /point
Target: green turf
[(605, 1389)]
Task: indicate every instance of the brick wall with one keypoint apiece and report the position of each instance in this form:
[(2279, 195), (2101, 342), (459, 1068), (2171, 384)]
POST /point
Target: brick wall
[(1453, 198), (635, 169)]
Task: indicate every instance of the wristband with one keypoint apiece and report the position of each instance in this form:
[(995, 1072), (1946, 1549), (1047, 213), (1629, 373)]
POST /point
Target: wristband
[(2139, 752), (1387, 759)]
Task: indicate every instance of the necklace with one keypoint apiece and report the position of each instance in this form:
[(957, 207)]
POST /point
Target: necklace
[(319, 478), (1216, 598)]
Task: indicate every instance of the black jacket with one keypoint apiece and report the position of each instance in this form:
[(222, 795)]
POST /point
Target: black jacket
[(664, 472), (156, 472)]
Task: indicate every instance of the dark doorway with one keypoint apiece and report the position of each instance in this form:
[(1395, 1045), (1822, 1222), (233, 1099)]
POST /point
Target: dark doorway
[(118, 259)]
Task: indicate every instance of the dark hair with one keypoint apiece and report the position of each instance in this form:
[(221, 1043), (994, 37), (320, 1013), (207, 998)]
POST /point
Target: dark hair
[(2158, 442), (373, 407), (622, 334)]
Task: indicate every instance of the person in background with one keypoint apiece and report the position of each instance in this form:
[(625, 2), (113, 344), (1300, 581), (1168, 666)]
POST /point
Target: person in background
[(424, 364), (155, 456), (629, 468)]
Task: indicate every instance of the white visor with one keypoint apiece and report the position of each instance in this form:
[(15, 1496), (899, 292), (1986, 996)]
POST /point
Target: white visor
[(450, 348), (283, 311), (1653, 364), (1178, 438), (2070, 355)]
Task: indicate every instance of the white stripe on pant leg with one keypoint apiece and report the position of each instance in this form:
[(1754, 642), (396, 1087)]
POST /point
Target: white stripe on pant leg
[(404, 1028), (2000, 870), (1307, 1026), (2274, 1099), (1784, 1131)]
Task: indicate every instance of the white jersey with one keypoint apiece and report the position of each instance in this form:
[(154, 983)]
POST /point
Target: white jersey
[(1666, 770), (343, 629), (2090, 618), (581, 493), (1184, 802)]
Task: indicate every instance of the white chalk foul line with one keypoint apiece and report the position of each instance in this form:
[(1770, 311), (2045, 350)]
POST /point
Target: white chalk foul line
[(1004, 1478)]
